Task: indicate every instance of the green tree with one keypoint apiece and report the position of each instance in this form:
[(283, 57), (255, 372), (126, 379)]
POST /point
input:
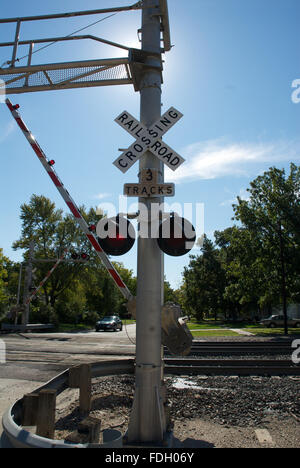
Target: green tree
[(272, 214), (204, 281), (3, 284), (169, 295), (73, 288), (245, 274)]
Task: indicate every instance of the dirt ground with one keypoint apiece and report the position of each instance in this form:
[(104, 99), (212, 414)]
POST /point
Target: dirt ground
[(202, 433), (272, 433), (207, 431)]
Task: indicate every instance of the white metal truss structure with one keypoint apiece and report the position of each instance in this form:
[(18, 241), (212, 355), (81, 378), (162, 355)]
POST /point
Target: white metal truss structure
[(66, 75), (47, 164), (79, 74), (46, 277)]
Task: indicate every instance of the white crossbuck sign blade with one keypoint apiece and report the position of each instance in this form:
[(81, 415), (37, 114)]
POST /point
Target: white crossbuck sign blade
[(149, 139)]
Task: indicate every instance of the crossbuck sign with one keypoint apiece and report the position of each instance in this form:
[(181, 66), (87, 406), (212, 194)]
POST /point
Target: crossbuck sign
[(148, 139)]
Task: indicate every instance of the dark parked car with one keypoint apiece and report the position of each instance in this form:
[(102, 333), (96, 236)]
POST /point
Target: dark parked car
[(111, 322), (278, 321)]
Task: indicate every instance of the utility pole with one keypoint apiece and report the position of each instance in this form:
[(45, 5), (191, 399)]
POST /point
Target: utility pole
[(283, 279), (19, 284), (148, 422), (27, 284)]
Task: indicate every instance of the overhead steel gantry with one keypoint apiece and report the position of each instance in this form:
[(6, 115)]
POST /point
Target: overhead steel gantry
[(80, 74)]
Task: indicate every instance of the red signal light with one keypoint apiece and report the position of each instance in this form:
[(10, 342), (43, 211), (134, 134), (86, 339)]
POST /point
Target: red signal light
[(85, 256), (51, 162), (176, 236), (116, 236)]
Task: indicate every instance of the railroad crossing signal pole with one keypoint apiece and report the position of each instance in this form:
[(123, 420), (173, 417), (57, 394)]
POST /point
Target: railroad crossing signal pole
[(147, 422)]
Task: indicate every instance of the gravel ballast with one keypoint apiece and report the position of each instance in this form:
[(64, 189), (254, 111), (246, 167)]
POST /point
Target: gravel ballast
[(216, 402), (229, 401)]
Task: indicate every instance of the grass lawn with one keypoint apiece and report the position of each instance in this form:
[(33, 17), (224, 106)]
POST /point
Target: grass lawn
[(205, 325), (71, 327), (258, 330), (128, 321), (210, 328)]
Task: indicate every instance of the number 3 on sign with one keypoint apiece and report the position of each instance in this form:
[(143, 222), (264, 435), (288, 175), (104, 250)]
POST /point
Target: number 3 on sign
[(149, 175)]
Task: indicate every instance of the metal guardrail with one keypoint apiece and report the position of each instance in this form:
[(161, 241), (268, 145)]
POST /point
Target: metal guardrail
[(15, 436), (7, 327)]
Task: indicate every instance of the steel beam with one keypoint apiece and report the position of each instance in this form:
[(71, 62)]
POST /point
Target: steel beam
[(136, 6), (11, 76)]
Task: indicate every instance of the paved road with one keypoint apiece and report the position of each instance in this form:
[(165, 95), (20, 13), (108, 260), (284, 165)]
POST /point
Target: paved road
[(39, 356)]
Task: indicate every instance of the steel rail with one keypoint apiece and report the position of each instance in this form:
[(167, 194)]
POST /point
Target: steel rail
[(235, 352), (228, 362), (242, 343), (239, 348), (65, 38), (230, 367)]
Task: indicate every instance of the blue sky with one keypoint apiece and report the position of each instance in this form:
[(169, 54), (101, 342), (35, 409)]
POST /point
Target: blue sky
[(230, 73)]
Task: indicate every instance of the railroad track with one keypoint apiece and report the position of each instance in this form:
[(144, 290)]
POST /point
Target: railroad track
[(186, 366), (202, 348)]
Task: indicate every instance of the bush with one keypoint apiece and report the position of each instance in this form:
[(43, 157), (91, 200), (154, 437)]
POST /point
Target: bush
[(43, 314), (90, 317)]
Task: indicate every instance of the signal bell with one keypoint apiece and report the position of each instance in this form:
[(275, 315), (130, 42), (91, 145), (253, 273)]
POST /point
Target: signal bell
[(116, 236), (176, 236)]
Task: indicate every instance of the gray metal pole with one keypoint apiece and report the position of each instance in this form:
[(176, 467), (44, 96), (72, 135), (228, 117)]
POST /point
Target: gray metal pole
[(147, 422), (28, 279), (19, 283), (19, 291), (17, 36)]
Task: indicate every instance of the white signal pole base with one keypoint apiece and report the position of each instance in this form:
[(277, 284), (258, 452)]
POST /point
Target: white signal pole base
[(147, 407)]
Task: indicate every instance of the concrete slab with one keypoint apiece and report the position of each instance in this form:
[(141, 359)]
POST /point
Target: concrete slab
[(264, 437), (12, 390)]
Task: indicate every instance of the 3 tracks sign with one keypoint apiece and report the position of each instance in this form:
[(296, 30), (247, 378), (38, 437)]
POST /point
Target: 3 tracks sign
[(149, 186)]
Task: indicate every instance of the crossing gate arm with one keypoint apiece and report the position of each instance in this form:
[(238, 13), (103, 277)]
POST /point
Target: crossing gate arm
[(69, 201), (46, 277)]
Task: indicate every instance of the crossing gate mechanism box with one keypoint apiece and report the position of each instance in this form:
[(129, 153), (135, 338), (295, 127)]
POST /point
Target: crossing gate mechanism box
[(175, 334)]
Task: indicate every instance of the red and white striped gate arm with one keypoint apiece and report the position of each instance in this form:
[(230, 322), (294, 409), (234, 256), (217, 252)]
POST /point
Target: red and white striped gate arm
[(46, 277), (47, 164)]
